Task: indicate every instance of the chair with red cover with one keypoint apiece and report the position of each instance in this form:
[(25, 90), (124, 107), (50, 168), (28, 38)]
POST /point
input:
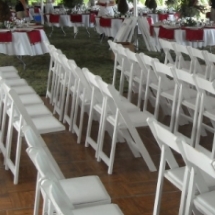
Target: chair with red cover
[(54, 20), (77, 21)]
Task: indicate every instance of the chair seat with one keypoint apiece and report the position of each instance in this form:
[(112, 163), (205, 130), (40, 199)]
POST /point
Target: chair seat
[(85, 191), (205, 203), (20, 90), (8, 69), (30, 99), (138, 119), (35, 110), (45, 124), (176, 176), (108, 209), (169, 94), (9, 75), (16, 82)]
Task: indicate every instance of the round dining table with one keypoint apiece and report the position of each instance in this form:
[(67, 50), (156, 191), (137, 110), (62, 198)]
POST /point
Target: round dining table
[(180, 37), (23, 41)]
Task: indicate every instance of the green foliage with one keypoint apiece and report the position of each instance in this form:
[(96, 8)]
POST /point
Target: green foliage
[(72, 3), (4, 11), (123, 6), (151, 4)]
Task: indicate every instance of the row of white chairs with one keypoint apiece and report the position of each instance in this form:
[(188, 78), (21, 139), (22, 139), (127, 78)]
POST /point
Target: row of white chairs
[(188, 58), (88, 91), (43, 119), (80, 195), (185, 91), (195, 180)]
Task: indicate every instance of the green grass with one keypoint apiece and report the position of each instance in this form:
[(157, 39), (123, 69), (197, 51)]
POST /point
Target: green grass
[(87, 52)]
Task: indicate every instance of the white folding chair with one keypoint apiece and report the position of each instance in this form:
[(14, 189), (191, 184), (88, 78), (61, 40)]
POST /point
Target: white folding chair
[(123, 122), (176, 174), (71, 94), (197, 58), (82, 191), (167, 48), (210, 58), (34, 140), (61, 202), (146, 64), (188, 103), (96, 109), (18, 113), (52, 71), (62, 84), (206, 91), (135, 76), (126, 30), (201, 166), (117, 60), (149, 40), (183, 59), (83, 99), (166, 90)]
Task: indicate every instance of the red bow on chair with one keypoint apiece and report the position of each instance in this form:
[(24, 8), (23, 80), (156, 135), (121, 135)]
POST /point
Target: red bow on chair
[(150, 21), (54, 18), (5, 37), (92, 18), (76, 18), (105, 22), (34, 36), (36, 10)]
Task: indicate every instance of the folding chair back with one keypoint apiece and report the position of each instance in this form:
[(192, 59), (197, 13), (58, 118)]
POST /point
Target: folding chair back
[(201, 165), (177, 175)]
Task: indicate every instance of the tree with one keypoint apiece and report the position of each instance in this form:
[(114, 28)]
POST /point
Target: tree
[(4, 11), (123, 6), (72, 3), (187, 7)]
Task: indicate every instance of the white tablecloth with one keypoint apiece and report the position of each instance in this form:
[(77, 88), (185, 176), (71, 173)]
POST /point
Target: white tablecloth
[(21, 46), (208, 38), (110, 32)]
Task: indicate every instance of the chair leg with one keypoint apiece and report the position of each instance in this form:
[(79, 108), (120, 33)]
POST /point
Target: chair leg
[(18, 155), (63, 31), (51, 31), (113, 150), (81, 122), (159, 187), (88, 32), (37, 197)]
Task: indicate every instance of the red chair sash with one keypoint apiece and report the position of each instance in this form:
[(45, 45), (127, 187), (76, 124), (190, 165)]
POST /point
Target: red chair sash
[(34, 36), (150, 20), (76, 18), (105, 22), (194, 34), (168, 34), (92, 18), (54, 18), (162, 16), (94, 12), (151, 29), (5, 37), (36, 10)]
